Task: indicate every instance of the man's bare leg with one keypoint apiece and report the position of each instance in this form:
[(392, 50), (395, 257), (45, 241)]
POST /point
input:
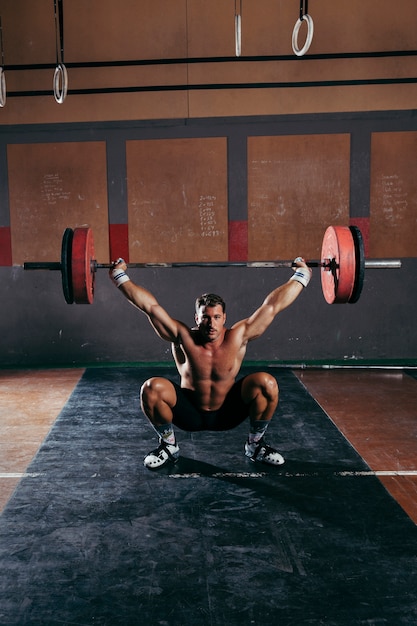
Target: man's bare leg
[(261, 392), (158, 397)]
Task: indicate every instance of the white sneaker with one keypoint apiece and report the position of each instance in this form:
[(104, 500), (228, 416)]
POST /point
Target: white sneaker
[(263, 453), (163, 454)]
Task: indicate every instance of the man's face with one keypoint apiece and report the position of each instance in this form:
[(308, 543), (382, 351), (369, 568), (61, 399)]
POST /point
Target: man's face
[(210, 321)]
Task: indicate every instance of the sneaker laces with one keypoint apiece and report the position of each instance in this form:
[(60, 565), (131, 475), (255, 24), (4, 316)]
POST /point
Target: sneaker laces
[(164, 447)]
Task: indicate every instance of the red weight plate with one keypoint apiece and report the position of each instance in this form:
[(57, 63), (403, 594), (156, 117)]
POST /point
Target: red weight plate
[(83, 266), (339, 264)]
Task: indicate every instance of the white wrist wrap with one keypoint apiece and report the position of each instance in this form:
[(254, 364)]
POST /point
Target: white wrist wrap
[(119, 277), (302, 275)]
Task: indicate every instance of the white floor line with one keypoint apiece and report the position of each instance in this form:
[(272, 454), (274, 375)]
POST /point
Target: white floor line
[(18, 475), (381, 473), (347, 473), (344, 473)]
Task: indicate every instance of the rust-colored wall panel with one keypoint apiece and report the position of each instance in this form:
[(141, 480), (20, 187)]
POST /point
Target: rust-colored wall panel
[(292, 101), (97, 30), (211, 28), (297, 186), (97, 108), (100, 30), (100, 78), (206, 103), (289, 72), (393, 224), (267, 26), (363, 26), (128, 77), (28, 31), (54, 186), (177, 195)]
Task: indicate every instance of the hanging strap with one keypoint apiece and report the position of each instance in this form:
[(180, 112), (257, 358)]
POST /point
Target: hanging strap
[(303, 8), (1, 44), (59, 30), (60, 76), (2, 76)]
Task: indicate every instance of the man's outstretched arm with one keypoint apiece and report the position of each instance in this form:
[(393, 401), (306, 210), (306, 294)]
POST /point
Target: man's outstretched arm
[(164, 325), (275, 302)]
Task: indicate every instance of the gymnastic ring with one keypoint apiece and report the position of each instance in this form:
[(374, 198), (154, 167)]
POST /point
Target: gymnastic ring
[(60, 83), (2, 88), (238, 35), (310, 31)]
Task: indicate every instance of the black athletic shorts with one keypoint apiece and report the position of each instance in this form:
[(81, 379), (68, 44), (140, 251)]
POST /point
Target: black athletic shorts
[(232, 412)]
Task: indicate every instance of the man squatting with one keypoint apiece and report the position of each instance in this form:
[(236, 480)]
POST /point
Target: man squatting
[(208, 358)]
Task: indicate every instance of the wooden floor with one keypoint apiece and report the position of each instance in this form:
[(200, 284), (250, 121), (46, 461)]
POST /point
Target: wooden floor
[(376, 410), (30, 401), (377, 413)]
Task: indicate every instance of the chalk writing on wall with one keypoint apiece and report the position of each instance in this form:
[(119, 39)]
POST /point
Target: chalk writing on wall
[(207, 211), (394, 197), (53, 189)]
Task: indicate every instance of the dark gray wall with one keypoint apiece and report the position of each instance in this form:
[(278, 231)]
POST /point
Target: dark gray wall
[(39, 329)]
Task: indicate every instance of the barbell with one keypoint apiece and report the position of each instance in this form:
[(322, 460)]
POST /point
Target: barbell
[(342, 265)]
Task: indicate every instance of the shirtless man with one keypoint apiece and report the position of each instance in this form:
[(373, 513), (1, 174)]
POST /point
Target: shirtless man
[(208, 358)]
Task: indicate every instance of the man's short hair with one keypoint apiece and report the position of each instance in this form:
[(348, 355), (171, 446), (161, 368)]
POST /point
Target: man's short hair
[(210, 299)]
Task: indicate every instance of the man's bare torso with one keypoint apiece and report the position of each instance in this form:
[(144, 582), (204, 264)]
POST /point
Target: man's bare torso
[(209, 368)]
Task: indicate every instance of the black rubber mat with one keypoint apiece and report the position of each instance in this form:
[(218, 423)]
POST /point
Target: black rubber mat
[(90, 537)]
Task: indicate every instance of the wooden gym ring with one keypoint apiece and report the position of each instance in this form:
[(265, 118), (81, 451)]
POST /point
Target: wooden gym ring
[(310, 32), (60, 83), (2, 88)]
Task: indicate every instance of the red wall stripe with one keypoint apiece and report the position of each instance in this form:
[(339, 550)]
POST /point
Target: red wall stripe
[(238, 240), (5, 246), (119, 241)]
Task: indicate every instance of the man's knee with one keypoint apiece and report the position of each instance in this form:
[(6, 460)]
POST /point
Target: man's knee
[(261, 382), (269, 386), (150, 387), (157, 389)]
